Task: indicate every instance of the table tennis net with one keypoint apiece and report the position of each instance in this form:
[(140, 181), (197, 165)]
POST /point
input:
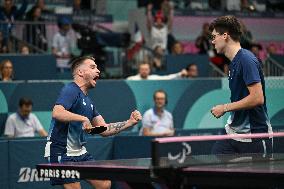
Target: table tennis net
[(179, 152)]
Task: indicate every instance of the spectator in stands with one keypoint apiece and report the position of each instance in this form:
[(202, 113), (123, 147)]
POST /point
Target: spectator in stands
[(24, 50), (6, 70), (271, 49), (158, 58), (158, 29), (168, 11), (3, 44), (36, 32), (157, 121), (192, 70), (23, 123), (246, 37), (9, 13), (177, 48), (202, 42), (77, 7), (41, 5), (205, 46), (145, 70), (62, 44), (255, 49)]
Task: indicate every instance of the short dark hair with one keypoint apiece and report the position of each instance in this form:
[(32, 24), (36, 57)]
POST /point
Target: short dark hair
[(228, 24), (25, 101), (161, 91), (189, 65), (78, 61)]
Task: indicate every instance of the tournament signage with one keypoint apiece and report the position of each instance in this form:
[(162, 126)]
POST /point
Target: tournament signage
[(57, 173)]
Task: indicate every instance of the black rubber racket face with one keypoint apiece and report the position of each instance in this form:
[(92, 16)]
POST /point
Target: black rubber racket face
[(98, 130)]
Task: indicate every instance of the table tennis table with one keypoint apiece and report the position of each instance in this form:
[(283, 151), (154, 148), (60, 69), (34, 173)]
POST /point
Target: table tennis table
[(195, 171), (262, 174)]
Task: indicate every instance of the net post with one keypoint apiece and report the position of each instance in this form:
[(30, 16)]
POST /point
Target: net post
[(155, 153)]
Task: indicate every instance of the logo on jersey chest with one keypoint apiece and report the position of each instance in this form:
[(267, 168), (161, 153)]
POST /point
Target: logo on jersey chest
[(84, 103)]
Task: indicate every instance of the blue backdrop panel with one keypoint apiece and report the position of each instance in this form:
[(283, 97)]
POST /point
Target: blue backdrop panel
[(24, 154), (100, 148), (114, 100), (43, 95), (32, 67), (132, 147), (4, 179)]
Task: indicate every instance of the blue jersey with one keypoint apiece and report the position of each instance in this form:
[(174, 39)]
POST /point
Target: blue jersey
[(69, 136), (245, 69)]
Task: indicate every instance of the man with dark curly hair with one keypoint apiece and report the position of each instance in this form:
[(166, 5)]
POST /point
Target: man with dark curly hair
[(248, 112)]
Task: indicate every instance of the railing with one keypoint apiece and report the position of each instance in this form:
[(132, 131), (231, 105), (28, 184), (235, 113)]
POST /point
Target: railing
[(216, 72), (273, 68)]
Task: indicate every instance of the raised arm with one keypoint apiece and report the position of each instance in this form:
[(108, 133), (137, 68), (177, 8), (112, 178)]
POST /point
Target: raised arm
[(171, 18), (114, 128), (149, 16)]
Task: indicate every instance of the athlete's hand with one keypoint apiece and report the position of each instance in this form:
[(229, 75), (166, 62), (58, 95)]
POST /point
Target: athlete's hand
[(87, 126), (218, 111), (135, 117)]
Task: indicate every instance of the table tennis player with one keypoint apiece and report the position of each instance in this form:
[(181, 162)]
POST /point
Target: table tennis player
[(248, 112), (73, 117)]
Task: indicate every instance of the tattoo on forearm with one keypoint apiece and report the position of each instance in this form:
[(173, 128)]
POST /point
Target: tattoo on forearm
[(116, 126)]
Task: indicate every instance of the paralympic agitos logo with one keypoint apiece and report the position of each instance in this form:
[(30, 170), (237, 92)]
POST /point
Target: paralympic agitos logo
[(27, 174)]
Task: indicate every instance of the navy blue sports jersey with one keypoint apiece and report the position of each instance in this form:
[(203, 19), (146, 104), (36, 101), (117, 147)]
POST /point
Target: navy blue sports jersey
[(69, 136), (245, 69)]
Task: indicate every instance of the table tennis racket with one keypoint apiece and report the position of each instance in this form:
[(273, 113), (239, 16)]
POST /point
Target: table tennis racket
[(97, 130)]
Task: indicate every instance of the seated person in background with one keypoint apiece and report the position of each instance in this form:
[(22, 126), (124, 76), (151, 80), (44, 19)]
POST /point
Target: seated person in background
[(158, 61), (6, 70), (145, 70), (202, 42), (177, 48), (3, 44), (24, 123), (24, 50), (271, 49), (192, 70), (157, 121)]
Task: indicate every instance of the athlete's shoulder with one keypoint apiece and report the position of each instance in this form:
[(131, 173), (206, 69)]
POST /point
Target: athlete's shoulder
[(247, 56), (71, 87)]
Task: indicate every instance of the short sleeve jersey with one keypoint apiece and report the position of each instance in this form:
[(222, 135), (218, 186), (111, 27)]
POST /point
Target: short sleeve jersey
[(244, 70), (17, 126), (157, 124), (68, 136)]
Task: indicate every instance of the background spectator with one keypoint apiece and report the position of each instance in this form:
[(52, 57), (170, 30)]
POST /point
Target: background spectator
[(36, 32), (9, 13), (3, 44), (158, 28), (203, 40), (157, 61), (157, 121), (24, 123), (6, 70), (42, 6), (271, 49), (246, 37), (144, 72), (177, 48), (24, 50), (62, 44), (192, 71)]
